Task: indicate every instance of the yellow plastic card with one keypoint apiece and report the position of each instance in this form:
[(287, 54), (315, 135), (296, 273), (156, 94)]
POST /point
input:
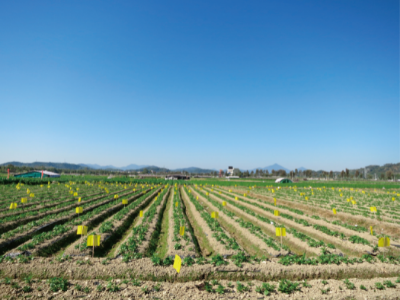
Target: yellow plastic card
[(230, 191), (372, 231), (384, 242), (13, 205), (280, 231), (348, 199), (306, 198), (182, 230), (79, 199), (214, 215), (334, 211), (141, 214), (79, 210), (223, 203), (276, 213), (197, 197), (207, 194), (75, 194), (393, 198), (124, 201), (177, 263), (82, 230), (373, 209), (31, 195), (353, 202), (24, 200), (236, 198), (115, 196), (93, 240)]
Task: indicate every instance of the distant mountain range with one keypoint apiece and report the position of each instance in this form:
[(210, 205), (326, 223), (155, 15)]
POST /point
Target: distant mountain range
[(395, 168), (277, 167), (110, 167), (131, 167)]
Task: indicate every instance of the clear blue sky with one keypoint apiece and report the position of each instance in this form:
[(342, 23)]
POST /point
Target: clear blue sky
[(200, 83)]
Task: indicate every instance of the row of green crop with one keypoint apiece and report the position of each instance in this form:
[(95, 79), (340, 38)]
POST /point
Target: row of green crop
[(129, 249), (213, 224), (67, 226)]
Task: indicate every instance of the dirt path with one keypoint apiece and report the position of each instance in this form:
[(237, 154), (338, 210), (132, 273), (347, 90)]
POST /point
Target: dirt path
[(336, 290)]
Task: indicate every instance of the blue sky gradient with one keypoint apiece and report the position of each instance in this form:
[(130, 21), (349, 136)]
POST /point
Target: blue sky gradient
[(200, 83)]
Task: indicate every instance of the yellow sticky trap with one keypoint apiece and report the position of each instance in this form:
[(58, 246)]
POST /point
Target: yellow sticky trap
[(75, 194), (197, 197), (207, 194), (275, 201), (273, 190), (177, 263), (124, 201), (348, 199), (393, 198), (334, 211), (28, 191), (280, 231), (79, 210), (306, 198), (230, 191), (82, 230), (189, 191), (236, 198), (223, 203), (31, 195), (341, 195), (174, 193), (13, 205), (115, 196), (276, 213), (373, 209), (141, 214), (182, 230), (372, 231), (93, 240), (353, 202), (384, 242), (24, 200), (214, 215), (79, 199)]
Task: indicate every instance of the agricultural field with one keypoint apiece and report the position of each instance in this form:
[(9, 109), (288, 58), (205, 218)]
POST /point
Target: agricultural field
[(198, 239)]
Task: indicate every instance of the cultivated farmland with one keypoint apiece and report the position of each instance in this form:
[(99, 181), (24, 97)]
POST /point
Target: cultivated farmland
[(198, 239)]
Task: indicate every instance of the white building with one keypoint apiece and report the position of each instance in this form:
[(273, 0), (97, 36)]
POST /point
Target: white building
[(230, 170)]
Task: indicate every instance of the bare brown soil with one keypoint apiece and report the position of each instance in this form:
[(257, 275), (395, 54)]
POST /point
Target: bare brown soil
[(195, 290)]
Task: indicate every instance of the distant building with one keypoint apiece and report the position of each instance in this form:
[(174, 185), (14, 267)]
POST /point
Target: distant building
[(230, 170), (177, 177), (36, 174)]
